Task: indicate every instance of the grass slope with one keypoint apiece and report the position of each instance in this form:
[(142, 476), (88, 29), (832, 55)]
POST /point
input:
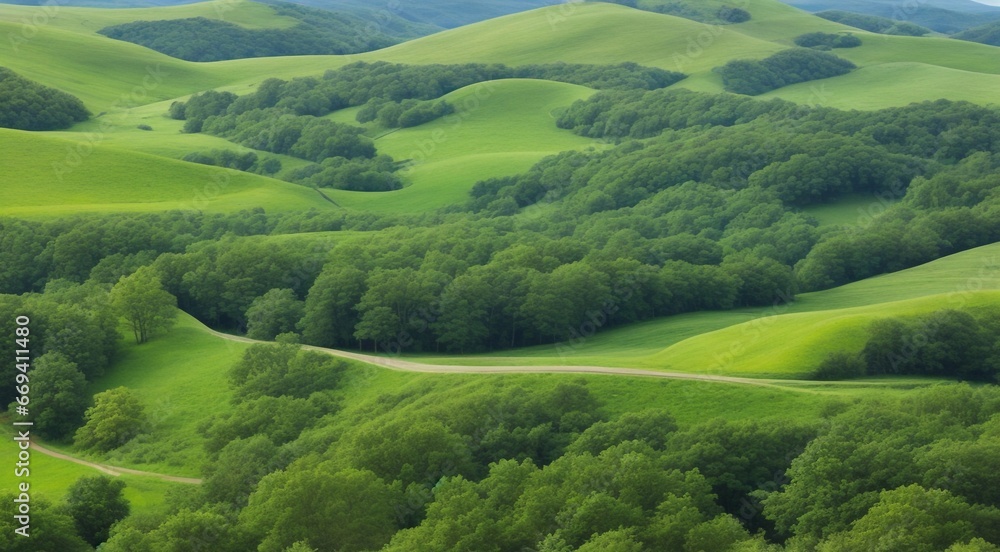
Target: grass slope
[(784, 341), (181, 378), (56, 177), (245, 13), (62, 54), (580, 33), (878, 87), (499, 128), (50, 478)]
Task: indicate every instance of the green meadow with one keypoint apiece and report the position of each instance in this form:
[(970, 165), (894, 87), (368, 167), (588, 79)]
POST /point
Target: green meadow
[(57, 177), (499, 128), (50, 478)]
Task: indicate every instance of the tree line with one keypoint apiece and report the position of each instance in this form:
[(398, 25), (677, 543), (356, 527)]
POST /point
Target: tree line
[(752, 77), (827, 41), (28, 105), (949, 343)]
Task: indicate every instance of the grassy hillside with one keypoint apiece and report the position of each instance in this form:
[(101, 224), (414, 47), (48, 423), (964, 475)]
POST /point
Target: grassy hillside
[(499, 128), (869, 87), (785, 341), (579, 33), (62, 55), (181, 379), (245, 13), (51, 477), (53, 178)]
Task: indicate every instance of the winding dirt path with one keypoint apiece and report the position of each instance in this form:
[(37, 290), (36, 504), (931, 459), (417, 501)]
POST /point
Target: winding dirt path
[(408, 366), (112, 470)]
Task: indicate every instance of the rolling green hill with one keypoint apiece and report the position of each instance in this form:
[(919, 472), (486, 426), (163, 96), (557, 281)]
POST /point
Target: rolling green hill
[(58, 177), (500, 128)]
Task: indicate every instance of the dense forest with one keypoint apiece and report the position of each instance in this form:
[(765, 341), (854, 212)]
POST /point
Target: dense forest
[(751, 77), (28, 105), (319, 32), (985, 34), (874, 23)]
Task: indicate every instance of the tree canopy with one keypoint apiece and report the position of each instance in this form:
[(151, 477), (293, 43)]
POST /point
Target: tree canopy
[(28, 105)]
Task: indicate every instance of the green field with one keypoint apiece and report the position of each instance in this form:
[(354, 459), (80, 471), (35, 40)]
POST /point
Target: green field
[(56, 177), (50, 478), (849, 210)]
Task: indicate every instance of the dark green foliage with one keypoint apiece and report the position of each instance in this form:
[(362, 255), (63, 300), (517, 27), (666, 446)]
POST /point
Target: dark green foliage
[(116, 418), (51, 527), (59, 396), (279, 419), (984, 34), (739, 458), (217, 282), (247, 162), (275, 312), (281, 116), (782, 69), (827, 41), (27, 105), (359, 175), (411, 113), (207, 528), (239, 466), (946, 343), (283, 370), (652, 427), (140, 299), (200, 107), (327, 508), (733, 15), (841, 486), (840, 366), (358, 83), (933, 518), (73, 324), (874, 23), (319, 32), (277, 131), (96, 503)]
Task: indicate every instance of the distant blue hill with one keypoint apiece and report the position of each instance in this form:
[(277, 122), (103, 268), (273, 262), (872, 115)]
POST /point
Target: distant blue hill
[(943, 16)]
